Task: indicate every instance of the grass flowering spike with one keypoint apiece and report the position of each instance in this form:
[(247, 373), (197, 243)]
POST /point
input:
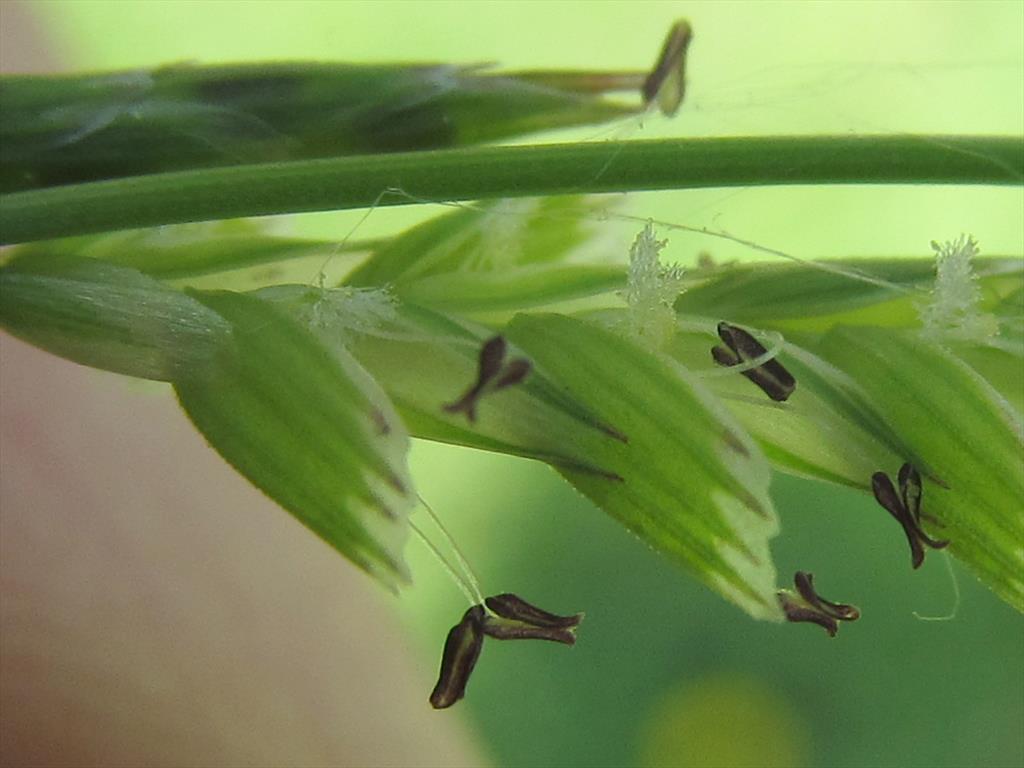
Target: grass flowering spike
[(313, 392), (69, 128)]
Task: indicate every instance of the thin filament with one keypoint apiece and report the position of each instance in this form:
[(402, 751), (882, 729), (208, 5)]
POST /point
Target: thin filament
[(770, 353), (823, 266), (465, 588), (956, 595), (469, 577), (321, 273)]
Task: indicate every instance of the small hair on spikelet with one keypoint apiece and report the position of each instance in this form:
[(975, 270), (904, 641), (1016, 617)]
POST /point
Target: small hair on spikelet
[(651, 289), (953, 313)]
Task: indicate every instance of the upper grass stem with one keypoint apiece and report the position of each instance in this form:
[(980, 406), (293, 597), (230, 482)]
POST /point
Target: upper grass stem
[(503, 171)]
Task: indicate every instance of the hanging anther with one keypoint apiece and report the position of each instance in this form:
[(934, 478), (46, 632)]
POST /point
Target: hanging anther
[(516, 619), (807, 605), (507, 617), (667, 80), (770, 375), (906, 508), (461, 650), (493, 374)]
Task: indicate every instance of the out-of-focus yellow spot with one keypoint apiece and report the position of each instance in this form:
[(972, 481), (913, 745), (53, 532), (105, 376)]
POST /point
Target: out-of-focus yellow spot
[(725, 722)]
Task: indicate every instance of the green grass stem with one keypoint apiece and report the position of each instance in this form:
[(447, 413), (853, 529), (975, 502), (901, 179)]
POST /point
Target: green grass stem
[(503, 171)]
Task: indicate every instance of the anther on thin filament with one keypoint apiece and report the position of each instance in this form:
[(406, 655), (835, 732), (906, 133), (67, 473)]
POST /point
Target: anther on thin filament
[(740, 347), (666, 82), (502, 617), (906, 509), (493, 374), (806, 605)]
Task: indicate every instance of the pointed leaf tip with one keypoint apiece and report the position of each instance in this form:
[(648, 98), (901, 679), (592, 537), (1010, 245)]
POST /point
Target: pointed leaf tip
[(692, 482), (961, 436), (309, 427)]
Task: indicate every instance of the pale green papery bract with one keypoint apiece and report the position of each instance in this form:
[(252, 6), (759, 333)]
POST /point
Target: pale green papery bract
[(107, 316), (325, 444), (497, 257), (668, 461), (693, 483)]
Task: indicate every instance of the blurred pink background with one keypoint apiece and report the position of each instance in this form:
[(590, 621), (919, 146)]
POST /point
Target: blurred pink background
[(155, 609)]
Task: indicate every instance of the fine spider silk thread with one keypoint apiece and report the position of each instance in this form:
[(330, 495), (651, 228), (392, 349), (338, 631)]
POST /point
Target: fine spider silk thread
[(321, 276), (779, 85), (822, 266)]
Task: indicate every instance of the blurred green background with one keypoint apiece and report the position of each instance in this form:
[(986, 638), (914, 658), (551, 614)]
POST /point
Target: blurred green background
[(665, 673)]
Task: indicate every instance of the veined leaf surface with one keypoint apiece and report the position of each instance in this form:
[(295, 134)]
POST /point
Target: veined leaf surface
[(107, 316), (632, 430), (693, 483), (962, 436), (495, 257), (308, 426), (818, 295)]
